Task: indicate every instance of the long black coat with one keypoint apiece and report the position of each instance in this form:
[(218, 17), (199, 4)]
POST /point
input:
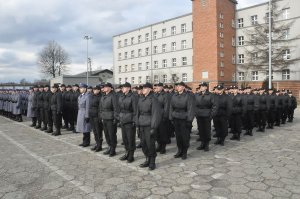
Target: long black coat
[(56, 102), (248, 103), (272, 101), (40, 99), (148, 112), (74, 99), (164, 103), (94, 105), (127, 108), (47, 100), (224, 105), (108, 106), (205, 105), (182, 106), (262, 102), (237, 104)]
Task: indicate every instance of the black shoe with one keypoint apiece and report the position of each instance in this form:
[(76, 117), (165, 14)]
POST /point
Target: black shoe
[(217, 141), (130, 157), (158, 148), (145, 164), (107, 151), (98, 148), (112, 152), (201, 147), (49, 131), (57, 134), (206, 148), (184, 156), (163, 150), (86, 145), (80, 144), (124, 157), (233, 137), (178, 154), (94, 148), (32, 125), (38, 127), (152, 164), (221, 142)]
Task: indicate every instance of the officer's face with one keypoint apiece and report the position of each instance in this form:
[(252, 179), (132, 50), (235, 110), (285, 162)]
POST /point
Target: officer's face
[(125, 89), (159, 88), (235, 91), (96, 91), (68, 89), (75, 88), (180, 88), (203, 88), (106, 89), (270, 92), (41, 89), (146, 91), (62, 88), (53, 90), (82, 90), (46, 89)]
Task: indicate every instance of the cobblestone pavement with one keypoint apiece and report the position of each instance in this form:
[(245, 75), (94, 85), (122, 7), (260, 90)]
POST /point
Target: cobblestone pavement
[(34, 164)]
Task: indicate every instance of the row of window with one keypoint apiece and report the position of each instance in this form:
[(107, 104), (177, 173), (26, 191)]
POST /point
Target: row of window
[(254, 75), (154, 36), (285, 14), (155, 50), (164, 64), (156, 79), (286, 55)]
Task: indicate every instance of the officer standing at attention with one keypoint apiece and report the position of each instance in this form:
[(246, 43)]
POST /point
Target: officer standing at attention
[(47, 110), (108, 109), (56, 109), (127, 103), (83, 118), (205, 110), (148, 120), (181, 114), (237, 112), (248, 111)]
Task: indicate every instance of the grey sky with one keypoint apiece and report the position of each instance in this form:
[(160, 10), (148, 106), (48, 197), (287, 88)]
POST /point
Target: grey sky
[(27, 26)]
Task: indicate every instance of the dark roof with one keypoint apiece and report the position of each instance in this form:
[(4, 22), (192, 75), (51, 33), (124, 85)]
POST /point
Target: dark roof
[(95, 73)]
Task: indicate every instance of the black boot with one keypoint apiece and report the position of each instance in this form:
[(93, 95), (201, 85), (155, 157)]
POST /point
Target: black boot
[(178, 154), (86, 139), (130, 157), (206, 146), (201, 147), (125, 156), (98, 147), (112, 152), (233, 137), (184, 154), (222, 141), (217, 141), (152, 164), (107, 151), (94, 148), (50, 130), (158, 148), (163, 149), (146, 163)]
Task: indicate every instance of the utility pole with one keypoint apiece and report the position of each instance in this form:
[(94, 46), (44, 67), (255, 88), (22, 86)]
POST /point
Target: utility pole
[(270, 45), (87, 38)]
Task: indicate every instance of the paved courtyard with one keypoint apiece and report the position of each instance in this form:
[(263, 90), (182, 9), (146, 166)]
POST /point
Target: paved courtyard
[(34, 164)]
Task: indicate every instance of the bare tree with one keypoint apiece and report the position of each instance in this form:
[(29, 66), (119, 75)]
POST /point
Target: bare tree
[(257, 43), (53, 60)]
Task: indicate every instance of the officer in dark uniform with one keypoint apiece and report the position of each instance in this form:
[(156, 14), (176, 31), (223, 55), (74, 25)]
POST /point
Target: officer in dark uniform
[(162, 130), (148, 120), (236, 115), (224, 109), (139, 90), (96, 122), (292, 106), (127, 103), (56, 109), (205, 110), (263, 107), (285, 100), (248, 111), (279, 108), (273, 102), (67, 106), (182, 114), (108, 110), (64, 111), (74, 107), (40, 104), (47, 110)]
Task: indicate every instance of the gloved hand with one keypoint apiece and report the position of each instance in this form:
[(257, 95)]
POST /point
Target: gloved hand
[(152, 132), (87, 120)]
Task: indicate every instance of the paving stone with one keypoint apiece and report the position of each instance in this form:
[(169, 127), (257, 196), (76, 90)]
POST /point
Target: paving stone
[(279, 192), (258, 194), (178, 195), (257, 185), (161, 190), (239, 189)]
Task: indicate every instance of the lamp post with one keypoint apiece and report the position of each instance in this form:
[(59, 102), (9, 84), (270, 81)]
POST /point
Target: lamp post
[(87, 38), (270, 45)]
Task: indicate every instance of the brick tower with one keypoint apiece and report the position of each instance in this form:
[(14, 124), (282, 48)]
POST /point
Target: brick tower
[(214, 41)]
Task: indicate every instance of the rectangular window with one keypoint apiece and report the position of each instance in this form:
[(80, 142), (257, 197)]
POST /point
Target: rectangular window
[(164, 47), (156, 79), (165, 79), (241, 58), (285, 13), (140, 66), (204, 75), (241, 40), (174, 62), (163, 32), (132, 54), (155, 35), (132, 40), (126, 68), (120, 56), (184, 77), (126, 55), (221, 45), (140, 80), (119, 44), (286, 34), (140, 52), (254, 75), (147, 51), (222, 64), (221, 25), (147, 78), (147, 65), (155, 49), (183, 28), (221, 73), (173, 46), (221, 34), (132, 80), (120, 69), (254, 19), (164, 63), (125, 42), (287, 54), (221, 54), (132, 67), (147, 37), (126, 79), (267, 74), (183, 44), (155, 64), (184, 61), (139, 38), (254, 57), (241, 76), (240, 23), (120, 80), (221, 16), (173, 30), (286, 74)]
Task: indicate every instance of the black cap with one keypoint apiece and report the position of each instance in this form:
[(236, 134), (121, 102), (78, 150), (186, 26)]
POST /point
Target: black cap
[(69, 86), (203, 84), (248, 87), (170, 87), (180, 84), (97, 87), (107, 84), (126, 84), (83, 85), (90, 87), (220, 87), (139, 87), (35, 86), (46, 86), (41, 86), (159, 84), (76, 85), (55, 86), (62, 85), (234, 87), (283, 90), (148, 85), (166, 87)]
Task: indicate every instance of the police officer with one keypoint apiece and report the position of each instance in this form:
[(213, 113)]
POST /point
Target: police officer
[(224, 108), (272, 101), (263, 107), (74, 107), (67, 106), (148, 120), (96, 122), (285, 99), (248, 111), (40, 108), (162, 130), (279, 108), (83, 118), (205, 110), (47, 110), (127, 103), (109, 114), (56, 109), (292, 106), (182, 114), (236, 115)]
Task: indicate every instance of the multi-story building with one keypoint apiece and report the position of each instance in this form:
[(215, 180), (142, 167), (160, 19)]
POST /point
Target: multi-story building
[(205, 45)]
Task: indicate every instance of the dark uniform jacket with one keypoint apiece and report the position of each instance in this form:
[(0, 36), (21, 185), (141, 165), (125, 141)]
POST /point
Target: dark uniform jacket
[(94, 105), (47, 100), (272, 101), (237, 104), (108, 107), (127, 108), (148, 111), (286, 100), (262, 102), (56, 102), (164, 103), (182, 107), (74, 100), (249, 103), (205, 105), (224, 105), (40, 99), (292, 102)]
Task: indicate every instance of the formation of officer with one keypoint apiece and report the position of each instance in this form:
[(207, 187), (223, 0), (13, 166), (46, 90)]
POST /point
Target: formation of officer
[(153, 113)]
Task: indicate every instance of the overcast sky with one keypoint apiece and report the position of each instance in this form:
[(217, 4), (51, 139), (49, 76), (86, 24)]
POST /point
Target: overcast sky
[(26, 26)]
